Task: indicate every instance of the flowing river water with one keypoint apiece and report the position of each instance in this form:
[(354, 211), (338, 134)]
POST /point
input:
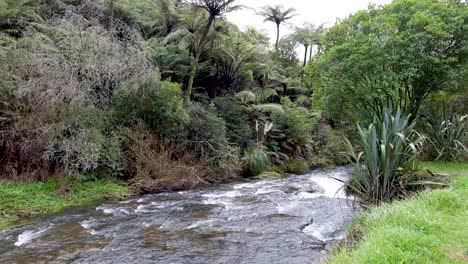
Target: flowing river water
[(289, 220)]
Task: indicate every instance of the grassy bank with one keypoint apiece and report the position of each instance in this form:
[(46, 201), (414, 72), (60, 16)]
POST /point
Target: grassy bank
[(430, 228), (20, 201)]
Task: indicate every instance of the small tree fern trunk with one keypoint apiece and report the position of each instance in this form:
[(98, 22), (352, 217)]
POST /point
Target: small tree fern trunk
[(310, 53), (277, 37), (193, 72), (305, 55), (196, 58)]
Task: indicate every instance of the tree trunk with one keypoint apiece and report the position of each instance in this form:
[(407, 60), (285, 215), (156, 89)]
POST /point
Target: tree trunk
[(305, 55), (277, 37), (196, 58), (310, 53), (193, 72)]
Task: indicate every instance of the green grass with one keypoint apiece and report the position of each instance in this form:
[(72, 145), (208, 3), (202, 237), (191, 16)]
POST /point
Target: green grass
[(429, 228), (19, 201)]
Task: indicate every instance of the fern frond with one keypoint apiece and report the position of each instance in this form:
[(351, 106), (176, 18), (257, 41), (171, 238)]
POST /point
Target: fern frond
[(269, 108)]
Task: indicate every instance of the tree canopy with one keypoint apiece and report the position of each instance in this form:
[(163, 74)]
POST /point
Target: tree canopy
[(397, 54)]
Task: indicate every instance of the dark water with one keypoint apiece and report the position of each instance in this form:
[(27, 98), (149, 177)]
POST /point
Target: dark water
[(288, 220)]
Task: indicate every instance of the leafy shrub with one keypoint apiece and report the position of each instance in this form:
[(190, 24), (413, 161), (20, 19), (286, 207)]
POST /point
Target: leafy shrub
[(448, 135), (238, 128), (327, 146), (74, 149), (206, 136), (158, 104), (80, 141), (387, 145), (293, 130)]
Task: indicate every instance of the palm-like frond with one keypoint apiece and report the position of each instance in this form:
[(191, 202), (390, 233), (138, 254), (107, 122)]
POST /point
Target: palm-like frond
[(264, 94), (216, 7), (246, 97), (277, 14), (269, 108)]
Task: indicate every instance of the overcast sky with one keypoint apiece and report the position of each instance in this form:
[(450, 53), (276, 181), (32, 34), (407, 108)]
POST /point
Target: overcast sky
[(312, 11)]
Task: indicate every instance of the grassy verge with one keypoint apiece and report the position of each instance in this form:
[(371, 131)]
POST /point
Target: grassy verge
[(27, 199), (430, 228)]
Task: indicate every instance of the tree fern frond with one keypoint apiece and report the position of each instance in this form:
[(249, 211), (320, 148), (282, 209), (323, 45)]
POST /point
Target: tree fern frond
[(269, 108)]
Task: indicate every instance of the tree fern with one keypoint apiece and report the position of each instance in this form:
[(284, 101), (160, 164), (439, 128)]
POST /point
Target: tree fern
[(269, 108)]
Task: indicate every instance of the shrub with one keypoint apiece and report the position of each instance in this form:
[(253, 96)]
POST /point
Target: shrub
[(448, 135), (79, 141), (158, 104), (158, 166), (206, 137), (298, 166), (293, 130), (73, 61), (238, 128), (387, 145)]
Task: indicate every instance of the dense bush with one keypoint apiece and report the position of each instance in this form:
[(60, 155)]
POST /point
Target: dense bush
[(206, 136), (293, 129), (96, 87), (238, 127), (400, 53), (74, 62), (158, 104)]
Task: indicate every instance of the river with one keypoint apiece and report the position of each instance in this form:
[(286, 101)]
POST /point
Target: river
[(289, 220)]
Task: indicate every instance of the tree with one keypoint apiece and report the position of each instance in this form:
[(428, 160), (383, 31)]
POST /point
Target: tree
[(278, 15), (397, 54), (315, 35), (214, 8), (303, 36)]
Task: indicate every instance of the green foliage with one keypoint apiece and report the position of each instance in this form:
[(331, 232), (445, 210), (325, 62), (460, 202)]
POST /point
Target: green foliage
[(14, 13), (427, 229), (159, 105), (238, 128), (399, 54), (82, 141), (448, 135), (206, 136), (256, 160), (387, 145), (278, 15), (5, 40), (293, 129), (172, 59), (297, 166)]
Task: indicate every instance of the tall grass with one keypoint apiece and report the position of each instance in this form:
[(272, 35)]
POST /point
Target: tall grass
[(387, 145)]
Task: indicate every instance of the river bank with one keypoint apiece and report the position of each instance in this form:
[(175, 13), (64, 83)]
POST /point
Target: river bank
[(24, 200), (430, 228)]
